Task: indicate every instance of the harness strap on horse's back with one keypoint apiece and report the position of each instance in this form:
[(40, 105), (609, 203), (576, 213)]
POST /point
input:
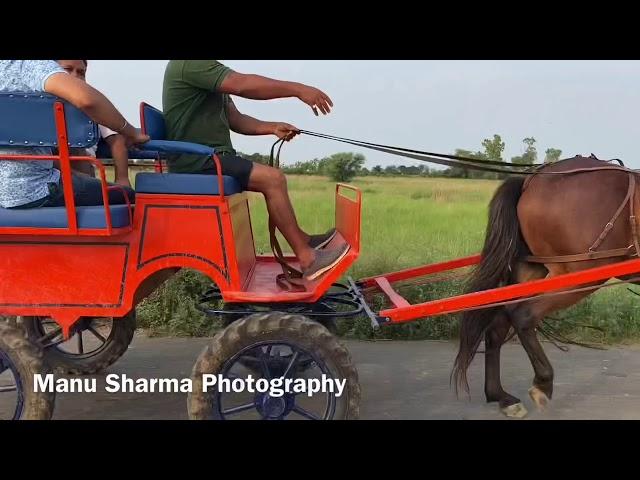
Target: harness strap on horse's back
[(592, 254)]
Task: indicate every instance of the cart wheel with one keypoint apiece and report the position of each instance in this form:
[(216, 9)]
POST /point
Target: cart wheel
[(20, 360), (96, 343), (286, 344)]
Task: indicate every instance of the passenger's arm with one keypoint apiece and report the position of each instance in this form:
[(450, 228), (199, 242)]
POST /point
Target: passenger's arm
[(120, 155), (94, 104)]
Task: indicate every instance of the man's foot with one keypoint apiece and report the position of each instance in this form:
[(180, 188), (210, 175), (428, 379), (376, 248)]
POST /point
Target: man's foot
[(319, 241), (325, 260)]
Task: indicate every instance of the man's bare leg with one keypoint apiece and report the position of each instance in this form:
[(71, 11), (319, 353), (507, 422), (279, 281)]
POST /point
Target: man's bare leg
[(272, 183)]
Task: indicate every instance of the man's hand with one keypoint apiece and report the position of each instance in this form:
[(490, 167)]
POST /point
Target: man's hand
[(316, 99), (284, 130)]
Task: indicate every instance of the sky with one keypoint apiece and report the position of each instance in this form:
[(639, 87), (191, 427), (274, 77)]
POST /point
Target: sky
[(580, 107)]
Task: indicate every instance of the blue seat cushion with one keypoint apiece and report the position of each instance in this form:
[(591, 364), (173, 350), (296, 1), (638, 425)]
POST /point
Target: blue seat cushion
[(56, 217), (185, 184)]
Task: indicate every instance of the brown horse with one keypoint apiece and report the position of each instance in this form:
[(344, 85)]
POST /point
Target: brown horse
[(550, 215)]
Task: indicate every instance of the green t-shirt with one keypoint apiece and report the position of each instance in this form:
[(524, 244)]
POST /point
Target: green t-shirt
[(195, 111)]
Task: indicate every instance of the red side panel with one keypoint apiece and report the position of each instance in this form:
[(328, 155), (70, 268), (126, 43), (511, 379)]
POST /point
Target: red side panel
[(348, 211), (242, 236), (181, 228), (62, 274)]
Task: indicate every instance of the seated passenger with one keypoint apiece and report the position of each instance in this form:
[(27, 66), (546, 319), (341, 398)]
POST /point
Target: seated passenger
[(198, 108), (116, 142), (36, 183)]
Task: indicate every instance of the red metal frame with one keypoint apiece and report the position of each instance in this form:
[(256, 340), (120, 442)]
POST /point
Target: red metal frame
[(403, 311)]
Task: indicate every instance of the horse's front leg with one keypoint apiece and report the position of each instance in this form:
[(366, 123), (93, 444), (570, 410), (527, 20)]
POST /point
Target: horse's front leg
[(493, 340)]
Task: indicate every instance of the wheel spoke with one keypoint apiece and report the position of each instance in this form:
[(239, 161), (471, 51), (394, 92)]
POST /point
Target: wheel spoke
[(44, 340), (97, 334), (8, 388), (80, 345), (265, 366), (294, 359), (301, 411), (238, 409), (57, 342)]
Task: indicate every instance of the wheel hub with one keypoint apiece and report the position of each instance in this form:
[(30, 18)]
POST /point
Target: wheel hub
[(273, 408)]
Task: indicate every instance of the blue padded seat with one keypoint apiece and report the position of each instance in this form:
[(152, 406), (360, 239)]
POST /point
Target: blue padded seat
[(56, 217), (153, 123), (185, 184), (27, 120)]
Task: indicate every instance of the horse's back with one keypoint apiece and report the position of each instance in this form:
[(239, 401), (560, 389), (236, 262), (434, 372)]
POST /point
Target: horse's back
[(565, 213)]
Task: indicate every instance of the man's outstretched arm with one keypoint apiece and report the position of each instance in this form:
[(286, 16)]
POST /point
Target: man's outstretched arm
[(257, 87)]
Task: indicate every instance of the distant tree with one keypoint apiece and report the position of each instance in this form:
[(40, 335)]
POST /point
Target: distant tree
[(256, 157), (530, 154), (458, 172), (552, 155), (493, 148), (391, 170)]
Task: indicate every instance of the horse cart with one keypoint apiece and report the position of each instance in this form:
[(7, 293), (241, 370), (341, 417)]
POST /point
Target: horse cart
[(75, 273)]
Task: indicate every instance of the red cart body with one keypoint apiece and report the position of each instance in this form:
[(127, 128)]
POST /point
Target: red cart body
[(74, 262)]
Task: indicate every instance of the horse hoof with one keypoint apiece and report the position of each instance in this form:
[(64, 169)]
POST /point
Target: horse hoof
[(539, 398), (516, 410)]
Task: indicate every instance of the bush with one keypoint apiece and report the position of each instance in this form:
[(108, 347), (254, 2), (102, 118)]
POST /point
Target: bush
[(343, 167), (171, 309)]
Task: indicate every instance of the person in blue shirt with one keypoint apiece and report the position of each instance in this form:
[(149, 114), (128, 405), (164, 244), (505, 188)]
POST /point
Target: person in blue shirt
[(36, 183)]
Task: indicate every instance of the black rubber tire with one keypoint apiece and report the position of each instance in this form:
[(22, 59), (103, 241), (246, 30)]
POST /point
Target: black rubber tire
[(273, 326), (118, 342), (28, 360)]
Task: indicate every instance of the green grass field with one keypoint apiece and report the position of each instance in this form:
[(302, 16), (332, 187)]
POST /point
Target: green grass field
[(405, 221), (412, 221)]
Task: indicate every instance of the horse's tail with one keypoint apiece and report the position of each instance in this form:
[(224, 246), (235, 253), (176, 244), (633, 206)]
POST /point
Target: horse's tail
[(503, 244)]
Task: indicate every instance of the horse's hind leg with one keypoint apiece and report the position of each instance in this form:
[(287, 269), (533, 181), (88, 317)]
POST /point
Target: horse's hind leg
[(493, 340)]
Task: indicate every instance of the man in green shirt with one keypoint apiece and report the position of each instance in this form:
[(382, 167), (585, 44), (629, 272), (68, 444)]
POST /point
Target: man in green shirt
[(197, 104)]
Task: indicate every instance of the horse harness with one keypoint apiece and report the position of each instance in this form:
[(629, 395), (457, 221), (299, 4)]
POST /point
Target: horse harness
[(593, 253)]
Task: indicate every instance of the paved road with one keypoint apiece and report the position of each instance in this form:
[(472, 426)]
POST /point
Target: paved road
[(400, 380)]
